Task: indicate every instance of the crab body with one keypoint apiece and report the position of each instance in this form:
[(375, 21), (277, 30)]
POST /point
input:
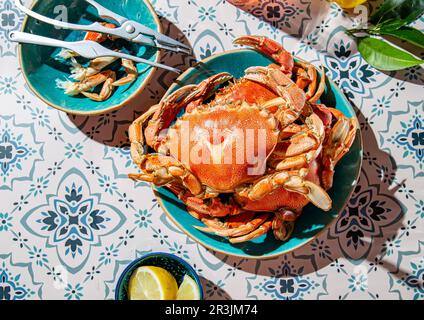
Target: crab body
[(219, 145)]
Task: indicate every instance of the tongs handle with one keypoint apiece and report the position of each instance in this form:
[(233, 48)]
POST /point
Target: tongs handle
[(94, 27), (24, 37), (87, 49), (106, 13)]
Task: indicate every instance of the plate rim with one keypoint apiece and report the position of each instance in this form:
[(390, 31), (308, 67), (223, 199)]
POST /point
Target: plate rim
[(106, 110), (266, 256)]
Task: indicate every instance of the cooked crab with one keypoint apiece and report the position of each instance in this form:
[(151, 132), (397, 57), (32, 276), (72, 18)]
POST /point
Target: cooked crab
[(92, 76), (245, 158)]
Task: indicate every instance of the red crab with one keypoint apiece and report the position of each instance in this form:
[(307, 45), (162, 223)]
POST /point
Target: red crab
[(198, 156)]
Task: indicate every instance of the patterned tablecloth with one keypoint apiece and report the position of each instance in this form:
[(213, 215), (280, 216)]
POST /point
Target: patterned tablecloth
[(50, 160)]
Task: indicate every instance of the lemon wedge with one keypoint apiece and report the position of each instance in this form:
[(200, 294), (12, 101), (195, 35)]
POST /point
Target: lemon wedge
[(188, 289), (349, 4), (152, 283)]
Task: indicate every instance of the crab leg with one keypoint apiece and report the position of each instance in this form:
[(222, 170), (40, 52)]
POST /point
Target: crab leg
[(302, 77), (303, 147), (75, 88), (308, 77), (131, 71), (212, 207), (205, 89), (337, 144), (321, 88), (324, 113), (291, 130), (292, 98), (306, 74), (271, 48), (292, 181), (80, 73), (247, 222), (263, 229), (106, 91), (161, 170), (171, 106)]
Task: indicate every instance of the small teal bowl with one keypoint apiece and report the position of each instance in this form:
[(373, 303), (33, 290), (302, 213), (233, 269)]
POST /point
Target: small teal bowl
[(175, 265), (313, 221), (41, 68)]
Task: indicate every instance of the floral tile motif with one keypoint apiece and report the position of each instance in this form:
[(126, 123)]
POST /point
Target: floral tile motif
[(17, 280), (10, 20), (287, 15), (348, 70), (408, 138), (412, 280), (20, 150), (368, 212), (285, 282), (73, 220)]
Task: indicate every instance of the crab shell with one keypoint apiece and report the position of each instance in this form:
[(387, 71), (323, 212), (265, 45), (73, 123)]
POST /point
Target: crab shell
[(223, 144)]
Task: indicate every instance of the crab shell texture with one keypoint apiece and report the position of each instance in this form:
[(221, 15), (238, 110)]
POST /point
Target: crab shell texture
[(222, 136)]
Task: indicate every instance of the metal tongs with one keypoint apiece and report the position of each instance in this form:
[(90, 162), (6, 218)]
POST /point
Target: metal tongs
[(128, 29)]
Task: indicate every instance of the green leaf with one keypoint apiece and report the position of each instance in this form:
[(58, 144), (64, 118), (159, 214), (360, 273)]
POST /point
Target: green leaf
[(383, 56), (412, 35), (389, 25), (407, 10)]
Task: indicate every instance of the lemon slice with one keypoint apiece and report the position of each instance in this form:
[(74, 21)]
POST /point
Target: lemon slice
[(188, 289), (349, 4), (152, 283)]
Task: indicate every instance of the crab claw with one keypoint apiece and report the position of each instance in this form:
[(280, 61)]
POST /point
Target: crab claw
[(271, 48), (317, 195), (291, 181), (235, 226), (256, 233), (282, 229), (338, 143), (161, 170)]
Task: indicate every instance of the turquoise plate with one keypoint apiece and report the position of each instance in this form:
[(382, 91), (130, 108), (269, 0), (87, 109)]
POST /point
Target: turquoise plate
[(41, 69), (313, 220), (175, 265)]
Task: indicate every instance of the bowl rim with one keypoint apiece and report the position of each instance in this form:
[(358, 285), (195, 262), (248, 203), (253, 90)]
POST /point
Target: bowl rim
[(111, 108), (269, 256), (131, 265)]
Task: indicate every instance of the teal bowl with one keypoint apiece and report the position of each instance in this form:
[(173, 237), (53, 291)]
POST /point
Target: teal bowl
[(175, 265), (41, 69), (313, 221)]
